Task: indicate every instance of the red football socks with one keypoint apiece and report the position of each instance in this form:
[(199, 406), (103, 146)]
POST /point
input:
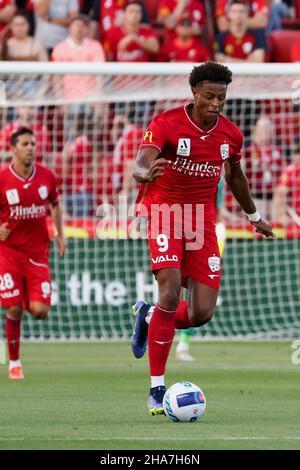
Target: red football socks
[(160, 337), (13, 331), (182, 321)]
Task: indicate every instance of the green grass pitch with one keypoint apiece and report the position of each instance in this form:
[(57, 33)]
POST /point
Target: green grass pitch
[(93, 396)]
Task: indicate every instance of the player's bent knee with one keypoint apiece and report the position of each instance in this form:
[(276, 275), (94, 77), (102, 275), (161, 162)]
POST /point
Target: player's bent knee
[(39, 313), (15, 312), (201, 316)]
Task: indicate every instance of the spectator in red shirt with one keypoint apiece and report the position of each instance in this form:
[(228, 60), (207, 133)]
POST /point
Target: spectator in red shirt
[(108, 14), (132, 41), (240, 44), (287, 193), (26, 117), (184, 47), (171, 11), (259, 14), (263, 165)]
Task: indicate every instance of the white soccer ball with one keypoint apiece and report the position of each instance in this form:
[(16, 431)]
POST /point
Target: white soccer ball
[(184, 401)]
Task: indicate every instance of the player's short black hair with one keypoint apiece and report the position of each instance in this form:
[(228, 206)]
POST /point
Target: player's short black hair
[(211, 72), (15, 135)]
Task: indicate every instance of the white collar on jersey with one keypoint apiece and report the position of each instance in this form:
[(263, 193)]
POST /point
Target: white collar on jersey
[(20, 177), (195, 125)]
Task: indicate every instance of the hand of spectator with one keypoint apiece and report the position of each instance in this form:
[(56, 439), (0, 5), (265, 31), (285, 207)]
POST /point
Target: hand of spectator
[(171, 21), (126, 40)]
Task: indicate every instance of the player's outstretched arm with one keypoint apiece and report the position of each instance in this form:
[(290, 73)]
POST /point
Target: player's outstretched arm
[(238, 184), (56, 214), (147, 166)]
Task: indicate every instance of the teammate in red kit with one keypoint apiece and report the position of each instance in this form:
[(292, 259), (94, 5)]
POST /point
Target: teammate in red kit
[(179, 163), (26, 191)]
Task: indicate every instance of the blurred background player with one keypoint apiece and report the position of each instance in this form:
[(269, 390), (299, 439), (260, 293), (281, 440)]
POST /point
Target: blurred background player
[(26, 191), (264, 164), (185, 336), (287, 193), (127, 132)]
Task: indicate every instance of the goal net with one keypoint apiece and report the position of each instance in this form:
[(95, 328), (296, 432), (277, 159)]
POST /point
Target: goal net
[(88, 120)]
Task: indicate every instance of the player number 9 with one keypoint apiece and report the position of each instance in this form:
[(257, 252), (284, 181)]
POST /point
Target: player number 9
[(162, 241)]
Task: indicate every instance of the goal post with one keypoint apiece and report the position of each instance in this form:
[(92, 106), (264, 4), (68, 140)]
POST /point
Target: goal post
[(88, 120)]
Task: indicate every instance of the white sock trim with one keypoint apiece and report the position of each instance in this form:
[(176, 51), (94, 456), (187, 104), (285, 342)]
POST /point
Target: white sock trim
[(157, 380), (164, 310), (13, 364)]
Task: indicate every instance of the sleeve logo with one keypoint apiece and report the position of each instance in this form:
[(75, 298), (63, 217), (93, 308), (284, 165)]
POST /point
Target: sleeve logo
[(12, 196), (224, 150), (43, 192), (148, 136), (184, 147)]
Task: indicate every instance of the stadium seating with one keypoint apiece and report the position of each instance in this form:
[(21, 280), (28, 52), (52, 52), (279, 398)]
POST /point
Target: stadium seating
[(280, 44)]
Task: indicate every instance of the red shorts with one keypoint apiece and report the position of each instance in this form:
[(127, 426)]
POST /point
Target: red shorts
[(23, 279), (199, 261)]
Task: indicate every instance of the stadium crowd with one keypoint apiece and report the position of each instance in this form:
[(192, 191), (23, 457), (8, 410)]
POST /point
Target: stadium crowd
[(144, 31)]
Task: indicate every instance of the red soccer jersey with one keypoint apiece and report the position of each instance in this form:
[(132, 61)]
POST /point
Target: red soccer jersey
[(133, 52), (80, 162), (239, 48), (195, 10), (290, 180), (197, 157), (73, 168), (111, 15), (23, 205), (193, 51)]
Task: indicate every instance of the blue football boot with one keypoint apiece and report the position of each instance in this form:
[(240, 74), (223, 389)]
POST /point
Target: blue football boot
[(155, 400)]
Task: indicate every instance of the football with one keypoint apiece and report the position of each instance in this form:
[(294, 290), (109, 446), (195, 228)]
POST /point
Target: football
[(184, 401)]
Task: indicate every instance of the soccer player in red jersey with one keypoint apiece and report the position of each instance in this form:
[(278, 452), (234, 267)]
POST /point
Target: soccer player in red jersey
[(26, 191), (179, 163)]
